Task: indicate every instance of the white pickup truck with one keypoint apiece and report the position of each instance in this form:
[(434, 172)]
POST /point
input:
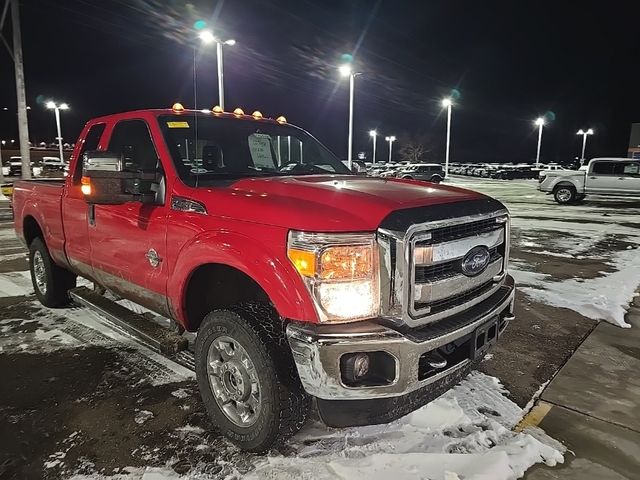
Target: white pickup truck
[(602, 176)]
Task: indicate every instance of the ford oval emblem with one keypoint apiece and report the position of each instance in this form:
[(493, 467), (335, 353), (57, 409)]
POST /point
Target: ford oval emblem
[(475, 261)]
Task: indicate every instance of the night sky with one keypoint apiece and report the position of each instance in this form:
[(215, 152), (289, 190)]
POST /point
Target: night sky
[(578, 63)]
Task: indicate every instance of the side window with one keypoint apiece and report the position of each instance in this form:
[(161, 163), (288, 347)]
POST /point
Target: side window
[(603, 168), (627, 169), (131, 139), (91, 142)]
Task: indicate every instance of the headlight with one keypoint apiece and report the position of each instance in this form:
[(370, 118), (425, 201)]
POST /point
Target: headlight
[(341, 272)]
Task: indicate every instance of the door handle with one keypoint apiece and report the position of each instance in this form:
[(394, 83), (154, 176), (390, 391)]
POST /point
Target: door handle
[(91, 214), (592, 178)]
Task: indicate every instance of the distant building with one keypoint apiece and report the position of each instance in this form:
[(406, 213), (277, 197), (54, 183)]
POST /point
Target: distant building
[(634, 141)]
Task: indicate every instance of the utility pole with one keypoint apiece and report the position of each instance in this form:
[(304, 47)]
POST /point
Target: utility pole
[(23, 126)]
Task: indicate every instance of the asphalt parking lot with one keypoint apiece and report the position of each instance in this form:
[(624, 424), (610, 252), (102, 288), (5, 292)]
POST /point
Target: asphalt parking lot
[(82, 399)]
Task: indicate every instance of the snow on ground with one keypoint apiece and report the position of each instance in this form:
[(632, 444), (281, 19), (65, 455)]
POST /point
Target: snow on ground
[(601, 298), (465, 434)]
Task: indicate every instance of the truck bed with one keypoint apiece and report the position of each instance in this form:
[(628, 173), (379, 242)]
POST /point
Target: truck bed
[(41, 201)]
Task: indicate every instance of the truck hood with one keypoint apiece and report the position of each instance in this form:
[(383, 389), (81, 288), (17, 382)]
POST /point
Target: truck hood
[(326, 203)]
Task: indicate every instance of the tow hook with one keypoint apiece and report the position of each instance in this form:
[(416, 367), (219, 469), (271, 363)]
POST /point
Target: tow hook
[(509, 317), (435, 360)]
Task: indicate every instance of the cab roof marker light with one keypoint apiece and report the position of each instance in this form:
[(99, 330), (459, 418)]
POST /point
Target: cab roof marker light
[(177, 107), (257, 115), (217, 109), (281, 119), (238, 112)]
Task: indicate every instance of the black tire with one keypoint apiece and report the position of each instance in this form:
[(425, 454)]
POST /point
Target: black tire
[(55, 281), (565, 194), (407, 177), (436, 179), (284, 405)]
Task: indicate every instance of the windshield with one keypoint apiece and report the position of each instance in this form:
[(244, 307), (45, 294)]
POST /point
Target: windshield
[(206, 149)]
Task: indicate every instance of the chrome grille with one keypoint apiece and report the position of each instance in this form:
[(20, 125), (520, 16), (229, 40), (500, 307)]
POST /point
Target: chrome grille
[(422, 279)]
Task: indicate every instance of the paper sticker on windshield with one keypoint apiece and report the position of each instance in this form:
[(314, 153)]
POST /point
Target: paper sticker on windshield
[(178, 124), (260, 148)]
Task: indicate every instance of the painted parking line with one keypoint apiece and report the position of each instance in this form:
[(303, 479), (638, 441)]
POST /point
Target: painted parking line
[(534, 417)]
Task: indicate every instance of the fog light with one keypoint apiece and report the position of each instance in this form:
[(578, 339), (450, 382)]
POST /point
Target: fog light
[(355, 366), (361, 365)]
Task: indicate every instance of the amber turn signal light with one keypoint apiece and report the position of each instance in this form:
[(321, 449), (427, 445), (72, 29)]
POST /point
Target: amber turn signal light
[(85, 185)]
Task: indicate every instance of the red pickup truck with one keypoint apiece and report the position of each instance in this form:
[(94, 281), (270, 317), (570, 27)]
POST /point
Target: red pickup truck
[(302, 280)]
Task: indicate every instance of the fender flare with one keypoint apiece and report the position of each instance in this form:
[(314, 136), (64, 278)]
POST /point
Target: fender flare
[(565, 183), (275, 275)]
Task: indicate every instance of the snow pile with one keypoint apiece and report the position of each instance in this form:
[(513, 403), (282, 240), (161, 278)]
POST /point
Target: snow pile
[(464, 434), (601, 298)]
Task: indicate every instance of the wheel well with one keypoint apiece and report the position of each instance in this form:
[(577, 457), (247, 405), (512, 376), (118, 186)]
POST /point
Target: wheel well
[(216, 286), (564, 184), (31, 229)]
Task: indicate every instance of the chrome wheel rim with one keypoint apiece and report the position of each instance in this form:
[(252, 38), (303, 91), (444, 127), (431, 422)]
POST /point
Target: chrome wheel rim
[(234, 381), (564, 195), (39, 272)]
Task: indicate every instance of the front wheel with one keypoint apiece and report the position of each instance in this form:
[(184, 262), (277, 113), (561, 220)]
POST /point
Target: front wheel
[(51, 283), (247, 377), (564, 194), (436, 179)]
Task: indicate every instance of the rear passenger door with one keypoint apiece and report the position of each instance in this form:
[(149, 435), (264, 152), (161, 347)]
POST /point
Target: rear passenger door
[(601, 178), (75, 208), (628, 175)]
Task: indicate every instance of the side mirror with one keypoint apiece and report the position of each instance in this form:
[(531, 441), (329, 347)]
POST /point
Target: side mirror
[(105, 182)]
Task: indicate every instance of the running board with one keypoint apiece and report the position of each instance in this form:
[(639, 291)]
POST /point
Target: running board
[(156, 337)]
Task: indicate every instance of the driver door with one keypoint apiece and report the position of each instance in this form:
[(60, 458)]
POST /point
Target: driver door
[(128, 241)]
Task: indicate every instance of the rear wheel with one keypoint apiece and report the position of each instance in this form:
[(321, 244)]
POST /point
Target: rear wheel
[(436, 179), (564, 194), (50, 282), (247, 378)]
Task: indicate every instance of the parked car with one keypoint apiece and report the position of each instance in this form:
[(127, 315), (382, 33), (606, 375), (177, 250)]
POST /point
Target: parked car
[(53, 163), (602, 176), (391, 170), (15, 168), (6, 167), (430, 172), (303, 281)]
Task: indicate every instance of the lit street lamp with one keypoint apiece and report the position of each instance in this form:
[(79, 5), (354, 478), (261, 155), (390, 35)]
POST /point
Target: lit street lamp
[(346, 71), (447, 103), (207, 37), (374, 135), (56, 108), (584, 140), (540, 123), (390, 139)]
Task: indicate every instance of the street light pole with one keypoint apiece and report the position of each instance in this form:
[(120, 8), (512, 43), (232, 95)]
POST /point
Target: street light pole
[(584, 140), (447, 103), (56, 108), (374, 135), (346, 70), (207, 37), (220, 74), (390, 139), (540, 123)]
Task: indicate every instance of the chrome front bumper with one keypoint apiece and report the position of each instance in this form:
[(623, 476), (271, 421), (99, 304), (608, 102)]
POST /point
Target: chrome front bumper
[(317, 349)]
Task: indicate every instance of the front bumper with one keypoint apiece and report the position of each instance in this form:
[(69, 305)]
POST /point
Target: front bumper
[(317, 349)]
